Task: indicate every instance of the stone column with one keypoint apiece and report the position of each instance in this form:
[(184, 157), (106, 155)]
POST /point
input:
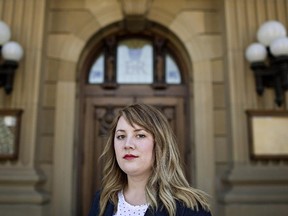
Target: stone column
[(19, 178), (255, 188)]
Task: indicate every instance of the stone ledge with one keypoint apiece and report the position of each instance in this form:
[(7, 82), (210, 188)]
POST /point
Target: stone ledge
[(19, 186), (255, 210), (257, 174), (15, 196), (17, 210), (255, 184), (16, 175)]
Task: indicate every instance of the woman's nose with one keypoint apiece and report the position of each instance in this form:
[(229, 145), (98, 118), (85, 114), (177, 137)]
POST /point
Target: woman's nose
[(129, 143)]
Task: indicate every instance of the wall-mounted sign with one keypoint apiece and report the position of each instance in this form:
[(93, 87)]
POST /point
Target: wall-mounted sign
[(268, 134), (9, 133)]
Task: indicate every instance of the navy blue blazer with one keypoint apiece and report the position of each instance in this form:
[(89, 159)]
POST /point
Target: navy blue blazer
[(181, 210)]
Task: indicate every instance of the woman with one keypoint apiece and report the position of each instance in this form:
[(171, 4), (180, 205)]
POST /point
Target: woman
[(142, 173)]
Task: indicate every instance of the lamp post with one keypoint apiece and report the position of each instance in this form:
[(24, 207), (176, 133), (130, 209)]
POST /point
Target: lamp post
[(12, 53), (269, 59)]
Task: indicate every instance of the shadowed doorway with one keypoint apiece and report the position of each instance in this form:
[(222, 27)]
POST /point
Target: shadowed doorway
[(121, 67)]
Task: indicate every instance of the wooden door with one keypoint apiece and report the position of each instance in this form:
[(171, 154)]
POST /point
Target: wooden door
[(98, 114)]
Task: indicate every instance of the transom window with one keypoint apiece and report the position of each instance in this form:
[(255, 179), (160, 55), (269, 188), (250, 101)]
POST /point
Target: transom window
[(135, 61)]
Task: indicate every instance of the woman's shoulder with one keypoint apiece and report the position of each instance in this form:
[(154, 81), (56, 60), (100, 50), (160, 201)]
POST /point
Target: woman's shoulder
[(94, 209), (183, 210), (95, 206)]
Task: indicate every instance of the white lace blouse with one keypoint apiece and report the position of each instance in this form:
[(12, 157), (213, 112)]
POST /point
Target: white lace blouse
[(126, 209)]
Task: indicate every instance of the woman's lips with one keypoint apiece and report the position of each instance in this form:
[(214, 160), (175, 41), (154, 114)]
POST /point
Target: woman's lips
[(129, 157)]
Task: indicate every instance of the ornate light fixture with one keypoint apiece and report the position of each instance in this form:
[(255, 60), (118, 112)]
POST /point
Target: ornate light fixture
[(269, 59), (12, 52)]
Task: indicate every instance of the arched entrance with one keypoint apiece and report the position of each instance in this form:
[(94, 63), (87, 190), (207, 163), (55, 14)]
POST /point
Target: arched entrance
[(121, 67)]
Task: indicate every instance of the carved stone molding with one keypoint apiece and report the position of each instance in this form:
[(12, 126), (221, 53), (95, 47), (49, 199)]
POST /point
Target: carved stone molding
[(135, 12), (135, 7), (256, 184), (18, 185)]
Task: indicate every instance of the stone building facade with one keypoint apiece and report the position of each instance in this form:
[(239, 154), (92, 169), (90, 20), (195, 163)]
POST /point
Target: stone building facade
[(211, 35)]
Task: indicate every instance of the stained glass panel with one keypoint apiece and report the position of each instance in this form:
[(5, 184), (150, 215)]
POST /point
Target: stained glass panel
[(135, 65), (172, 71), (96, 74), (135, 62)]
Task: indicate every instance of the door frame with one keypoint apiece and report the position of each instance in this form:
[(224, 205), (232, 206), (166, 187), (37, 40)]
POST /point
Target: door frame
[(90, 151), (193, 48)]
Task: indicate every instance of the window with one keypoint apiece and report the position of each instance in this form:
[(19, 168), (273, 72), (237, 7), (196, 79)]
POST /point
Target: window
[(172, 70), (96, 74), (135, 61)]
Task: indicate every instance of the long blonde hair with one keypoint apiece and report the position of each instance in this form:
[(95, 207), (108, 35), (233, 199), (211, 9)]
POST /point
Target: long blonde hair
[(167, 182)]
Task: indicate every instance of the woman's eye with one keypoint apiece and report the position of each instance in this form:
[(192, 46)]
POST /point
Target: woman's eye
[(120, 137), (140, 136)]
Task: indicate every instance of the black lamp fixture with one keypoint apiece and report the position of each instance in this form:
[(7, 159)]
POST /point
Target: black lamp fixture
[(11, 52), (269, 59)]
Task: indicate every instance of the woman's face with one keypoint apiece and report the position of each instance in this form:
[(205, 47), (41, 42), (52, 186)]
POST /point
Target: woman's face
[(134, 149)]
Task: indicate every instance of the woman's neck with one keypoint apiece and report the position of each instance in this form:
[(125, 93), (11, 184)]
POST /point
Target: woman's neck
[(134, 192)]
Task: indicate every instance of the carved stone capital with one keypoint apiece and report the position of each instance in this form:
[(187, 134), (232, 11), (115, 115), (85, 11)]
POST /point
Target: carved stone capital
[(135, 7)]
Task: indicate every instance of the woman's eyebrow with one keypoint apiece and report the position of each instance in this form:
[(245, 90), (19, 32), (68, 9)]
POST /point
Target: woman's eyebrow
[(140, 129), (136, 130)]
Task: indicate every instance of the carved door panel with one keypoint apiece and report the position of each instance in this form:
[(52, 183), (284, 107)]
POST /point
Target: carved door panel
[(174, 110), (99, 113)]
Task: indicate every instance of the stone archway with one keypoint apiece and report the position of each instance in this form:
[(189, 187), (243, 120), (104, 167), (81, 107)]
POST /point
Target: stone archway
[(70, 48)]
